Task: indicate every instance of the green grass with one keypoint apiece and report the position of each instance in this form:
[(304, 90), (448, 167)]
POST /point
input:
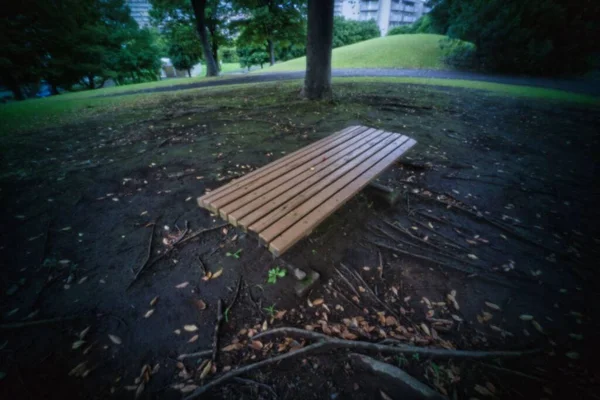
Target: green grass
[(420, 51), (58, 110), (490, 87)]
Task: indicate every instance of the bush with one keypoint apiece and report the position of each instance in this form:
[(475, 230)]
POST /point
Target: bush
[(459, 54), (347, 32), (422, 25), (228, 55)]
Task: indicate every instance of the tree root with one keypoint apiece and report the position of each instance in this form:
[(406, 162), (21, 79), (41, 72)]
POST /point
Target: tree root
[(327, 343)]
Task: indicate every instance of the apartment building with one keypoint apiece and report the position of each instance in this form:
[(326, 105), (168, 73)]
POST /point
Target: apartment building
[(387, 13), (139, 11)]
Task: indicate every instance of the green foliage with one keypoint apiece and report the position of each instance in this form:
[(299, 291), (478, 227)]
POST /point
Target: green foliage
[(534, 37), (271, 310), (184, 49), (347, 32), (228, 55), (235, 255), (68, 41), (422, 25), (270, 23), (275, 273), (250, 55), (458, 54)]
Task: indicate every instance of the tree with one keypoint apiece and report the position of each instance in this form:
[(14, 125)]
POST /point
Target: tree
[(203, 15), (183, 48), (199, 7), (317, 83), (347, 32), (250, 55), (270, 22), (517, 36)]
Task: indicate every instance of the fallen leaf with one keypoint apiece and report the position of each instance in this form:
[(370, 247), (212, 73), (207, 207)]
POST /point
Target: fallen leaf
[(425, 329), (153, 301), (526, 317), (77, 344), (149, 313), (575, 336), (538, 327), (384, 396), (207, 276), (573, 355), (264, 326), (349, 336), (482, 390), (188, 388), (493, 306), (140, 389), (84, 332), (200, 304), (361, 289), (115, 339), (472, 256), (206, 370), (217, 274), (317, 302), (182, 285), (193, 339), (280, 314), (256, 344), (177, 331), (456, 318), (190, 328), (233, 347)]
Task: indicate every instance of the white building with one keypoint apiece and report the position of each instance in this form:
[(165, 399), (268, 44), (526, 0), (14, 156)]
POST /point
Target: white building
[(387, 13), (139, 11)]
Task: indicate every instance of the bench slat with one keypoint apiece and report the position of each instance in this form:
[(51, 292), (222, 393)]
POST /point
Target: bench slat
[(303, 227), (294, 215), (243, 205), (283, 201), (289, 167), (259, 173)]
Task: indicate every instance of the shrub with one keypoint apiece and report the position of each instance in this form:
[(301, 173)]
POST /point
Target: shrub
[(459, 54), (347, 32), (228, 55), (422, 25)]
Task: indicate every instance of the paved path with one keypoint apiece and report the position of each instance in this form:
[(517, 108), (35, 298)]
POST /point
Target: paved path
[(584, 86)]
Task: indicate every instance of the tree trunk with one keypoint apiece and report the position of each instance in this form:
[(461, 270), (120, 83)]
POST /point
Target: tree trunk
[(189, 73), (91, 83), (271, 52), (16, 89), (317, 83), (54, 89), (199, 8), (214, 46)]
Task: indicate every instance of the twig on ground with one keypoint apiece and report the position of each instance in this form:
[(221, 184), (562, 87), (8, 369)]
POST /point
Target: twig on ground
[(146, 258), (27, 324), (513, 372), (380, 265), (203, 266), (464, 270), (260, 385), (215, 344), (347, 282), (235, 297), (453, 243), (338, 291), (330, 343), (202, 353), (180, 242), (407, 349)]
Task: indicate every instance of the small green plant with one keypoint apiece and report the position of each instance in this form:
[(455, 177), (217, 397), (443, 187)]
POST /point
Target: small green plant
[(235, 255), (275, 273), (314, 252), (401, 360), (416, 357), (271, 310)]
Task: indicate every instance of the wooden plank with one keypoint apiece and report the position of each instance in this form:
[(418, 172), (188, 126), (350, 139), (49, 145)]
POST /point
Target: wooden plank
[(287, 171), (338, 182), (270, 212), (245, 204), (256, 174), (304, 226)]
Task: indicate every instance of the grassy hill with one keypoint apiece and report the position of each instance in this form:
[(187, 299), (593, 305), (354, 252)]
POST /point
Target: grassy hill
[(399, 51)]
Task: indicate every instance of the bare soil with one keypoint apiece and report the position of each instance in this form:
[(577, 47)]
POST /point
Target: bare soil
[(500, 194)]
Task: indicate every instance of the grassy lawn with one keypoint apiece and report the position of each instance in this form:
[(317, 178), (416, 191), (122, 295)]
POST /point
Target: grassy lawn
[(398, 51), (41, 113)]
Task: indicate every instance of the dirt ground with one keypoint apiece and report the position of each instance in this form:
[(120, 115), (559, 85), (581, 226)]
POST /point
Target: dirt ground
[(492, 244)]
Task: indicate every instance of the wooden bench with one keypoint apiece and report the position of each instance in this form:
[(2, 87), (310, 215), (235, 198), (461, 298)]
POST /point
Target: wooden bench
[(285, 200)]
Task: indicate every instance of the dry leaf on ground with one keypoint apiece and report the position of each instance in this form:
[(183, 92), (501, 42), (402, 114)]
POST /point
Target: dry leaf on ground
[(115, 339)]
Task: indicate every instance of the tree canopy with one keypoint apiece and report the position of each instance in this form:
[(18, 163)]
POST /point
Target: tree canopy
[(524, 36), (347, 32)]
